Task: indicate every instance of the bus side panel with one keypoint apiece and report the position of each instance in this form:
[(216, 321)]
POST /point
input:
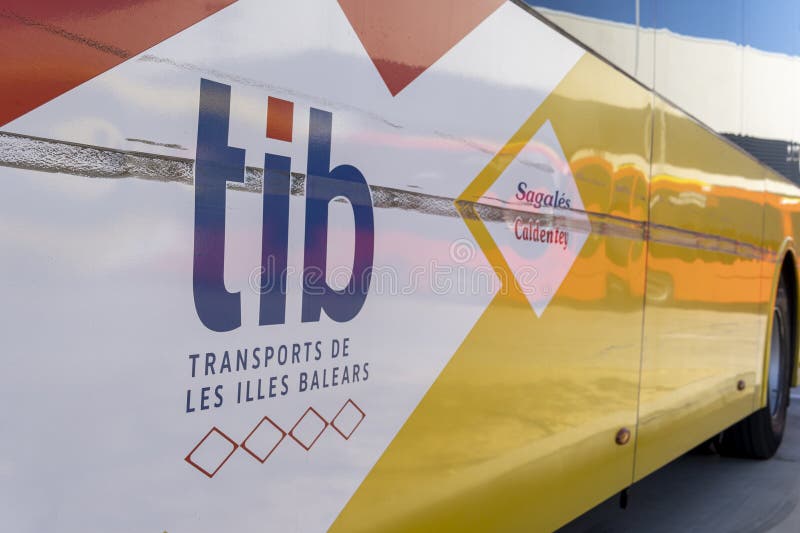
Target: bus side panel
[(138, 407), (518, 432), (705, 308)]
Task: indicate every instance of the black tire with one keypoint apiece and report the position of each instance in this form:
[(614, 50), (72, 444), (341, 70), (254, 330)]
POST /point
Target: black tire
[(759, 435)]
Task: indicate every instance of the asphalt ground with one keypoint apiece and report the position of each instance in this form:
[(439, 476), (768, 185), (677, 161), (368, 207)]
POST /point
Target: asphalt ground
[(710, 493)]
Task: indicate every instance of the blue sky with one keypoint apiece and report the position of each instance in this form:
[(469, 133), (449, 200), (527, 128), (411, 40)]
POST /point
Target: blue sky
[(771, 25)]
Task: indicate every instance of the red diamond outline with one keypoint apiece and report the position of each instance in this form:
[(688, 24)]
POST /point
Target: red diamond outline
[(291, 431), (363, 416), (188, 458), (251, 452)]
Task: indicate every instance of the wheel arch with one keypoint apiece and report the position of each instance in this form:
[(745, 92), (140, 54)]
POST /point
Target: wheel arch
[(786, 268)]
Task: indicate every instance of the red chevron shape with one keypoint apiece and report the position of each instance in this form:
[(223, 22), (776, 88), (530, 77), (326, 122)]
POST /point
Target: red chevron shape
[(52, 46), (404, 38)]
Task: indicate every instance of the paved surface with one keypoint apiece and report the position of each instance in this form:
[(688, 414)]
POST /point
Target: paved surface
[(711, 493)]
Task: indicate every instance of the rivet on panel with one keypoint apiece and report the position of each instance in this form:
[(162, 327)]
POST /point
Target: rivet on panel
[(623, 436), (740, 385)]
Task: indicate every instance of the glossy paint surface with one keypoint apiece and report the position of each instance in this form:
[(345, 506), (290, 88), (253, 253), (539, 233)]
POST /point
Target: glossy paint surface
[(706, 312), (713, 265), (518, 430), (505, 340)]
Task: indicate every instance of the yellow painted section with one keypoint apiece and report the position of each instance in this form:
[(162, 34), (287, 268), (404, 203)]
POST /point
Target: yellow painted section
[(705, 319), (517, 433)]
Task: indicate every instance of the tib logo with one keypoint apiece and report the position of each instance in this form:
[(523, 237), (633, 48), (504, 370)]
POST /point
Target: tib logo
[(217, 163)]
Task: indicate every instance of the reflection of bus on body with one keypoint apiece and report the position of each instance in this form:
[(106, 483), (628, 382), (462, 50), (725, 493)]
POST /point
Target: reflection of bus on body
[(232, 245)]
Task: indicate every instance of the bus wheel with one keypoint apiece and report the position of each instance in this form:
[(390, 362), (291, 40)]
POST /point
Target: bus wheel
[(759, 435)]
